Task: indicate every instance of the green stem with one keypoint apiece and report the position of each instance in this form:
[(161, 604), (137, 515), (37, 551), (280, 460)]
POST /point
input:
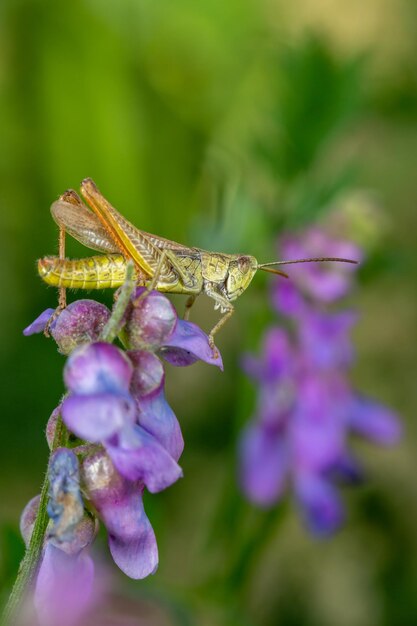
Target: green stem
[(31, 561), (112, 328)]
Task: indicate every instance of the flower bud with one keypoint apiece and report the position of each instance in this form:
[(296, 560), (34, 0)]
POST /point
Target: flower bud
[(97, 368), (27, 519), (83, 535), (65, 507), (151, 320), (80, 322), (51, 426), (148, 373), (100, 479)]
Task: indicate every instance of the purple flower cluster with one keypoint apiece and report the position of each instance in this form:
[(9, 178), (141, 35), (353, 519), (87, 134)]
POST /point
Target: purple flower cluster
[(126, 437), (306, 407)]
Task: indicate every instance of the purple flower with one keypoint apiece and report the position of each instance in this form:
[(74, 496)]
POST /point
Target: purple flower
[(151, 320), (116, 402), (64, 585), (98, 368), (318, 424), (101, 409), (152, 324), (373, 421), (320, 504), (276, 360), (154, 413), (264, 463), (119, 503), (65, 507), (321, 282), (27, 519), (188, 344), (325, 338)]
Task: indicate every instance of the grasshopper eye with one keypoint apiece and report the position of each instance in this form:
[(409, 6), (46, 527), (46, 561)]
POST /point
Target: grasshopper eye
[(243, 264)]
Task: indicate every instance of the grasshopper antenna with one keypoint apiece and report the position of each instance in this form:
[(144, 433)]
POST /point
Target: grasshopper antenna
[(272, 271), (266, 266)]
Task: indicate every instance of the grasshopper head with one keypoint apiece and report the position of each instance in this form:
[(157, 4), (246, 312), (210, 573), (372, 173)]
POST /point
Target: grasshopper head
[(241, 271)]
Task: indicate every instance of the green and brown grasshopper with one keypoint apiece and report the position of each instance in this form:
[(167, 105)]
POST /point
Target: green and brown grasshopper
[(165, 265)]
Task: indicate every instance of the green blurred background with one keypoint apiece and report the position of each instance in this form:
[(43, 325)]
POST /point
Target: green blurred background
[(218, 124)]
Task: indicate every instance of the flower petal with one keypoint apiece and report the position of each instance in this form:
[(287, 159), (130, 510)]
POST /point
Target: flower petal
[(325, 338), (317, 427), (119, 503), (132, 540), (39, 324), (98, 416), (287, 298), (264, 464), (188, 344), (374, 421), (158, 419), (320, 503), (325, 282), (64, 587), (138, 456)]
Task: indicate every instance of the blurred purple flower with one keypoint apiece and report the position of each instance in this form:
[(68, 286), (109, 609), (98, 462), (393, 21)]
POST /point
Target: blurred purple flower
[(320, 282), (373, 421), (324, 338), (265, 463), (306, 408), (64, 586), (320, 504)]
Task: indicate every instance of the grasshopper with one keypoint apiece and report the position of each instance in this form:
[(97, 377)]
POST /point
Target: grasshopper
[(159, 263)]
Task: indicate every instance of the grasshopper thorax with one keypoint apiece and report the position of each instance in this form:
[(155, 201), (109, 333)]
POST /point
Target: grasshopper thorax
[(242, 269)]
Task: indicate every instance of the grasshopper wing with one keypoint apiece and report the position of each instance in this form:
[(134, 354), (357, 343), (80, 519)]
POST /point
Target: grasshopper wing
[(132, 242), (79, 222)]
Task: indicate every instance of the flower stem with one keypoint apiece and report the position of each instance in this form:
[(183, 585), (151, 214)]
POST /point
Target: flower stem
[(112, 327), (29, 566)]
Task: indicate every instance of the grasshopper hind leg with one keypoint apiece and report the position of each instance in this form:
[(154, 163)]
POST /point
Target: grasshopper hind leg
[(62, 292), (188, 305)]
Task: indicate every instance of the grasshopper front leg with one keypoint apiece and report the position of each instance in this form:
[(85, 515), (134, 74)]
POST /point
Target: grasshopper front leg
[(225, 306)]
